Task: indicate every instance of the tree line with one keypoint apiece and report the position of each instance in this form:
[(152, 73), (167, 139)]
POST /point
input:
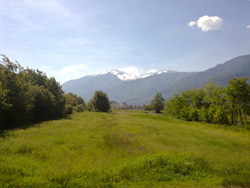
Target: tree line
[(213, 103), (28, 95)]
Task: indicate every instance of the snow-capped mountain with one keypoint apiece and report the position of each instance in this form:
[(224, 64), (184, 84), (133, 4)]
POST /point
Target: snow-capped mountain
[(128, 85), (132, 75), (122, 75), (152, 73)]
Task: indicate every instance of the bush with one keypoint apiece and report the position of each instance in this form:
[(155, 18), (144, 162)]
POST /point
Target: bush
[(76, 102), (80, 108)]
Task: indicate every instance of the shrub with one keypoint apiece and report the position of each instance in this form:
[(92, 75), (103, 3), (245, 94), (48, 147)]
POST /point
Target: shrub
[(80, 108)]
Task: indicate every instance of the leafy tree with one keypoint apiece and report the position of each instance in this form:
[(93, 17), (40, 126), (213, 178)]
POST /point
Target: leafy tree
[(220, 116), (100, 102), (186, 105), (27, 95), (238, 96), (75, 102), (43, 103), (175, 105), (58, 108), (214, 100), (158, 103), (213, 104), (14, 109), (90, 105), (214, 94), (203, 114)]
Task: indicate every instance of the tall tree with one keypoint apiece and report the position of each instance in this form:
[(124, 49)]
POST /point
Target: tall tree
[(27, 95), (158, 103), (74, 102), (100, 102), (214, 101), (238, 96)]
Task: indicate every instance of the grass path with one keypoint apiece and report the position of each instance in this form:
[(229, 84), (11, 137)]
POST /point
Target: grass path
[(130, 149)]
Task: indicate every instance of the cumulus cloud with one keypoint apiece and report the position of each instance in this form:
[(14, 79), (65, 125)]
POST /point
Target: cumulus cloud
[(207, 23), (130, 70), (248, 27), (68, 72)]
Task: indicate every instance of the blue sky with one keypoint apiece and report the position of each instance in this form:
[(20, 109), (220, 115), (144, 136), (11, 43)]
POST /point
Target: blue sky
[(68, 39)]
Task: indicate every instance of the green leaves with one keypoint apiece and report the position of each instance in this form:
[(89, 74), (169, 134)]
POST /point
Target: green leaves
[(213, 104), (158, 103), (100, 102), (238, 97), (74, 103), (27, 95)]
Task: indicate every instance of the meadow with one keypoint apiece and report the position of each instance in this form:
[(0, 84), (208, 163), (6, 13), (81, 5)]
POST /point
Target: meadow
[(124, 149)]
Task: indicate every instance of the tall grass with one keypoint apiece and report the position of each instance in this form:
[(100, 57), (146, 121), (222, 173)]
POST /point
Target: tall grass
[(131, 149)]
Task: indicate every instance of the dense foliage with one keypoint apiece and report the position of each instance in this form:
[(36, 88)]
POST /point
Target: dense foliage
[(158, 103), (28, 95), (214, 104), (99, 102), (74, 103)]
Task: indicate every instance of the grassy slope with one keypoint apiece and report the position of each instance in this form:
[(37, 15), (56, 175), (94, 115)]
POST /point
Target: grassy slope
[(124, 150)]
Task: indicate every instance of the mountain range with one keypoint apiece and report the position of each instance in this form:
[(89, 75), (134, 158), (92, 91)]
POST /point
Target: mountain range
[(121, 86)]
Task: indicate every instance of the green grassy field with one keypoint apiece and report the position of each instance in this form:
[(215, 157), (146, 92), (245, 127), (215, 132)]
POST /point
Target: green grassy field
[(124, 149)]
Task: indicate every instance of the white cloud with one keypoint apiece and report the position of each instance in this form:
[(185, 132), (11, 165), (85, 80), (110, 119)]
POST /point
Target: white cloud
[(72, 68), (68, 72), (191, 24), (207, 23), (248, 27), (130, 70)]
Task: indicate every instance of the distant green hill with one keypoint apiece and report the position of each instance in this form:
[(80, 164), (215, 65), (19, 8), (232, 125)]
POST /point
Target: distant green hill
[(141, 91)]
